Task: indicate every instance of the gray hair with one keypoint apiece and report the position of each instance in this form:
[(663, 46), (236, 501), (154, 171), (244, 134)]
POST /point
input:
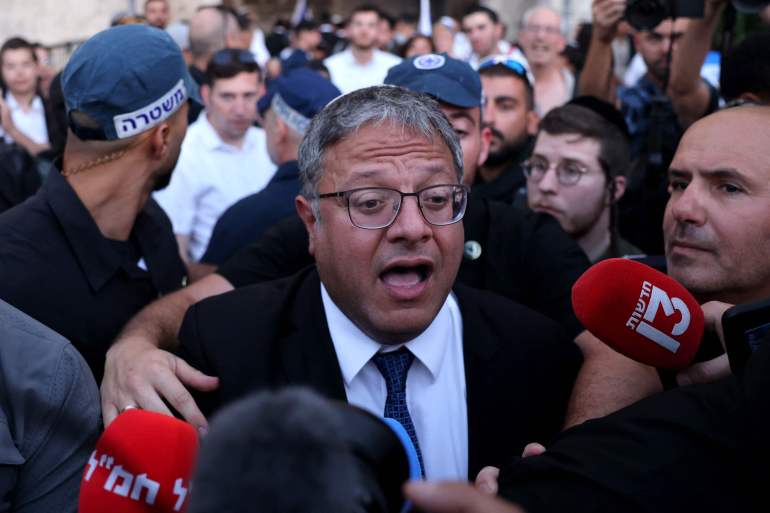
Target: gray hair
[(414, 112)]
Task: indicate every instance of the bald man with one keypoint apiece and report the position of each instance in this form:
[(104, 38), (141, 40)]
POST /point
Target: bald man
[(543, 41), (695, 448), (211, 29)]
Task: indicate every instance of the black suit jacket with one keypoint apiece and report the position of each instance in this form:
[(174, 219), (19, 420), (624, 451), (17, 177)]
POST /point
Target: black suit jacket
[(519, 365)]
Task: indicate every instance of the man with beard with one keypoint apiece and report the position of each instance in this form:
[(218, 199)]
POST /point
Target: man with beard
[(362, 64), (509, 112), (688, 97), (91, 248), (656, 112)]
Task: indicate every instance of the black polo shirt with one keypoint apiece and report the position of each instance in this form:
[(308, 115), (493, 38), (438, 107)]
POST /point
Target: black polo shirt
[(513, 252), (56, 266)]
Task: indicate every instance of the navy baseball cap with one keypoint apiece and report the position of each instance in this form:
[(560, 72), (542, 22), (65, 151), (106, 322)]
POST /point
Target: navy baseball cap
[(297, 96), (446, 79), (128, 79)]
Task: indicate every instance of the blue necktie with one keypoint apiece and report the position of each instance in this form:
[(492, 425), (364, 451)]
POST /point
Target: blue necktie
[(394, 367)]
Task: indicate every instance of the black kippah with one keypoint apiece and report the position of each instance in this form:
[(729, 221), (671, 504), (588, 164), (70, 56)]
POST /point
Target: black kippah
[(605, 110)]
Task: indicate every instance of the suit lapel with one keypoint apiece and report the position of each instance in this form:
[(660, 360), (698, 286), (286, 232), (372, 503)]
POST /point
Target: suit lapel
[(306, 352), (480, 346)]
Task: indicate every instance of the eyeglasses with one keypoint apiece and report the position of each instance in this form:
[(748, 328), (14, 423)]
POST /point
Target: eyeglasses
[(231, 56), (372, 208), (568, 172)]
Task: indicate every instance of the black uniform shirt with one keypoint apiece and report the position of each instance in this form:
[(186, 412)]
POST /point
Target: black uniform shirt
[(56, 266), (513, 252)]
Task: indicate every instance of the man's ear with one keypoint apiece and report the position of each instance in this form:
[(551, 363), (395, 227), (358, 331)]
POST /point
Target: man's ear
[(533, 122), (308, 217), (159, 141), (620, 188), (205, 91), (486, 141)]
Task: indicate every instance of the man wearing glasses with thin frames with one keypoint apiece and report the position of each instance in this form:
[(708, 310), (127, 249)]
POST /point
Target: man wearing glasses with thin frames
[(377, 321)]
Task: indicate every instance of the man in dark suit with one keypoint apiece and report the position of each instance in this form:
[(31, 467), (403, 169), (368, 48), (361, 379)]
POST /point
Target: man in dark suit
[(472, 377)]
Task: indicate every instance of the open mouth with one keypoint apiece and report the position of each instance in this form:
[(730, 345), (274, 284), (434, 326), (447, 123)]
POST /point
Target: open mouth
[(405, 276)]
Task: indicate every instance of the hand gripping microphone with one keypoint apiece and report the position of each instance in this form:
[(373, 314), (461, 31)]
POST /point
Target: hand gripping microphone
[(143, 463), (639, 312)]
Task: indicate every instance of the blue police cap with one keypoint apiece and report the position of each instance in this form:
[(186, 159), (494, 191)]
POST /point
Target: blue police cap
[(128, 79), (297, 96), (446, 79)]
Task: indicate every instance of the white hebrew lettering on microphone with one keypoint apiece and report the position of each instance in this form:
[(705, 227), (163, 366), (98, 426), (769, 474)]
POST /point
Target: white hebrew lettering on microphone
[(652, 299), (139, 488)]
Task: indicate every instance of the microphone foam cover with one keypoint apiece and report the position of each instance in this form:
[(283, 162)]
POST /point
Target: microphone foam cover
[(143, 462), (640, 312)]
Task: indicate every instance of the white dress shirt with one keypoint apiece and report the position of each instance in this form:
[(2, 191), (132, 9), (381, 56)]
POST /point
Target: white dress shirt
[(348, 75), (435, 384), (209, 177), (31, 123)]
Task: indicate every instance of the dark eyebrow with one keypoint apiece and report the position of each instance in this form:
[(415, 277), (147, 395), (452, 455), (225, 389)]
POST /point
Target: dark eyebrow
[(504, 98), (461, 114)]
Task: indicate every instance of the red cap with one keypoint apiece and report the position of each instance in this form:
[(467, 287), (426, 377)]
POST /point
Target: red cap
[(143, 462), (639, 312)]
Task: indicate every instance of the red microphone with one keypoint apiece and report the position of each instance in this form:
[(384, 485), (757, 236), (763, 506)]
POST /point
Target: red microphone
[(143, 463), (639, 312)]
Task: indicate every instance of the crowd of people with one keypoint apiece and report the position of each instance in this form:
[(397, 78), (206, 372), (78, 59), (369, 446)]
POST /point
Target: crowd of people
[(192, 213)]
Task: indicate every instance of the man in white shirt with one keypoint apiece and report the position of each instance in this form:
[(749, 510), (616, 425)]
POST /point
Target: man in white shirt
[(224, 157), (484, 30), (22, 113), (543, 41), (362, 64)]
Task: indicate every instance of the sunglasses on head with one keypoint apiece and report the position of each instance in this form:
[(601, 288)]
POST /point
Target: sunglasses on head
[(225, 57), (512, 64)]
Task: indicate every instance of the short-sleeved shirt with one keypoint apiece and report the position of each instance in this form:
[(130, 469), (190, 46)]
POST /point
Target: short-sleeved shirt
[(57, 267), (517, 253), (209, 177), (249, 218), (348, 75)]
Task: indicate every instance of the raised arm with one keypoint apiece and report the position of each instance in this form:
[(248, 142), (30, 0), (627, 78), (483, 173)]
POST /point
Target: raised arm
[(596, 77), (689, 93)]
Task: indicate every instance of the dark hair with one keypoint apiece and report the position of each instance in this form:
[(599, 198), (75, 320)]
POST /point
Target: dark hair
[(407, 18), (305, 26), (388, 18), (614, 148), (291, 451), (501, 70), (405, 47), (229, 62), (476, 8), (365, 8), (746, 69), (17, 43)]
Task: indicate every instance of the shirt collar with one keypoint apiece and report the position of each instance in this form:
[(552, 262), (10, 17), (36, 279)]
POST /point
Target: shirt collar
[(37, 103), (97, 257), (355, 349)]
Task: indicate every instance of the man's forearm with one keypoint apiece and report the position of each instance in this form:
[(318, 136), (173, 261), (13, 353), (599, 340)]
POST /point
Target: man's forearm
[(689, 95), (607, 382), (596, 76), (159, 322)]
